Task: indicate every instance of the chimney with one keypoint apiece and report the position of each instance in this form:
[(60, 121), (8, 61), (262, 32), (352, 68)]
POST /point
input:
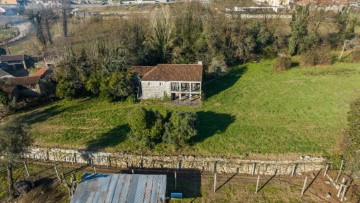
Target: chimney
[(200, 62)]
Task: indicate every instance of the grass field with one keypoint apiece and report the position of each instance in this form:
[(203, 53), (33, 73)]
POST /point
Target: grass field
[(251, 110), (7, 33)]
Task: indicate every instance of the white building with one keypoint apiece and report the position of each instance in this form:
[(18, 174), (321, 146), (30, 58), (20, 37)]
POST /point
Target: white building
[(276, 2)]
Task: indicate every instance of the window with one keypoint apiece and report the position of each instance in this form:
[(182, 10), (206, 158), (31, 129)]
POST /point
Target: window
[(160, 84), (149, 84)]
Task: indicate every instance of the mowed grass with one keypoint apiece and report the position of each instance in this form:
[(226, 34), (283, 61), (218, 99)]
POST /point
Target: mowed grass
[(251, 110)]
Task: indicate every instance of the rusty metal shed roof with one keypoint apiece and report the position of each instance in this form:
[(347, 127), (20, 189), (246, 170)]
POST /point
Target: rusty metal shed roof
[(116, 188)]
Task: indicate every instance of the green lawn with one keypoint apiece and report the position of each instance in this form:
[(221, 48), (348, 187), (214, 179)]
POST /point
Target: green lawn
[(251, 110), (7, 33)]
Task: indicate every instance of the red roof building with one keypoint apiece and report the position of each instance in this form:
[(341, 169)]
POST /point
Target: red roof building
[(176, 81)]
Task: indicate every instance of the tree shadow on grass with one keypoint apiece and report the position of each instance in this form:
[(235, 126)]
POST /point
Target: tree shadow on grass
[(109, 139), (42, 115), (222, 83), (211, 123)]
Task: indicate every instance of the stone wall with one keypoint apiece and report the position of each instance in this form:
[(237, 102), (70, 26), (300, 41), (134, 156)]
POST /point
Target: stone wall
[(154, 90), (206, 164)]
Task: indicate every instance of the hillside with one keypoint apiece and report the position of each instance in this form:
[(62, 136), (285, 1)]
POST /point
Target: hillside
[(251, 110)]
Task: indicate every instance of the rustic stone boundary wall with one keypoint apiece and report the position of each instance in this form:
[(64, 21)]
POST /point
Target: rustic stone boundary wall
[(206, 164)]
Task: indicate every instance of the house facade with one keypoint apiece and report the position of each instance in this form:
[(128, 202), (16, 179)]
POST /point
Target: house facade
[(175, 81)]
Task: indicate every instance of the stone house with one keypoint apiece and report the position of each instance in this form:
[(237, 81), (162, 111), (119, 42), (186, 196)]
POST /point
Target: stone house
[(175, 81), (31, 86)]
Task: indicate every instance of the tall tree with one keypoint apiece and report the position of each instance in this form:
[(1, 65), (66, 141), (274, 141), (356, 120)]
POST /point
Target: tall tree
[(299, 30), (161, 38), (36, 19), (14, 140), (64, 21), (188, 29)]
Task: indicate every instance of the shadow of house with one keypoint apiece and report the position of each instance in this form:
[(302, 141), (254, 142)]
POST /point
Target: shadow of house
[(211, 123), (188, 181), (222, 83)]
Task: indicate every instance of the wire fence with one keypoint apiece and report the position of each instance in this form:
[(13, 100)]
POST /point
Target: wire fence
[(191, 182)]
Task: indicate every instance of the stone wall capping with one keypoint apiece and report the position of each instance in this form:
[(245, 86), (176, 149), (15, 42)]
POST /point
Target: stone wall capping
[(306, 163)]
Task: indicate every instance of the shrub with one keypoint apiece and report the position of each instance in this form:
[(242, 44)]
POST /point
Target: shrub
[(282, 63), (146, 126), (149, 128), (355, 57), (180, 128), (317, 56)]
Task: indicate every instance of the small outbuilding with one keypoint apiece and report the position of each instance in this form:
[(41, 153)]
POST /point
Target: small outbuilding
[(118, 188)]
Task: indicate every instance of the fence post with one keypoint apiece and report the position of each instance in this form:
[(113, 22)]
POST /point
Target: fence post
[(304, 186), (343, 193), (257, 184), (341, 166), (340, 189), (94, 169), (294, 169), (56, 171), (326, 170), (214, 182), (26, 169), (175, 179), (254, 167)]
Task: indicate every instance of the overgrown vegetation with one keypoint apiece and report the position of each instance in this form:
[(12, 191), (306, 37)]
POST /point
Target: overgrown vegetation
[(352, 139), (149, 128), (104, 74), (282, 63)]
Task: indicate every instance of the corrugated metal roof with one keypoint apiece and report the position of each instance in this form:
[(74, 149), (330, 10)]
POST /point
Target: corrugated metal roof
[(119, 188)]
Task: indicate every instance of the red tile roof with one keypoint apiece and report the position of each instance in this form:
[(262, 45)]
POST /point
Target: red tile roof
[(174, 72), (8, 88), (40, 72), (29, 80)]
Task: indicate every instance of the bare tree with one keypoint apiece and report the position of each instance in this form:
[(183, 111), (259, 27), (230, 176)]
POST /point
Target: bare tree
[(161, 38)]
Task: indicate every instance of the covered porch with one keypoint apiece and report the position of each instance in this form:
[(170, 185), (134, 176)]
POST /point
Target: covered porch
[(182, 91)]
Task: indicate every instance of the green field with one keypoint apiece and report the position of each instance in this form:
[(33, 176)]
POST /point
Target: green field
[(251, 110), (7, 33)]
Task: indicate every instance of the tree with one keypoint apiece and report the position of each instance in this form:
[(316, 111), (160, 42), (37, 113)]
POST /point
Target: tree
[(118, 86), (4, 98), (299, 30), (180, 128), (14, 140), (64, 22), (188, 29), (161, 38), (36, 20), (146, 126)]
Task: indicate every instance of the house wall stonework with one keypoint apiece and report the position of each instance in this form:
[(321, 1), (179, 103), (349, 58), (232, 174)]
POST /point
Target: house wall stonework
[(155, 90)]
